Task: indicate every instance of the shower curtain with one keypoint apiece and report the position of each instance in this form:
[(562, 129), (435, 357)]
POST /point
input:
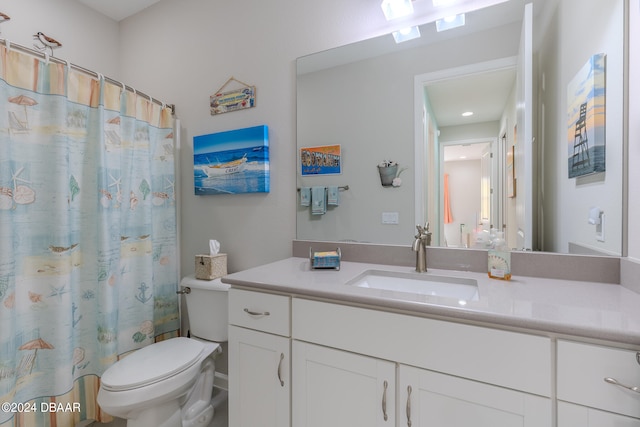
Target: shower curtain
[(88, 243)]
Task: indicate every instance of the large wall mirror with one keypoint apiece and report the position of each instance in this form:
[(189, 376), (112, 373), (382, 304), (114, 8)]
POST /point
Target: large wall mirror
[(504, 167)]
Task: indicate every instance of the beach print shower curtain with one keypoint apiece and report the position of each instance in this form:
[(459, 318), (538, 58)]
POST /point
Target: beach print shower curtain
[(88, 267)]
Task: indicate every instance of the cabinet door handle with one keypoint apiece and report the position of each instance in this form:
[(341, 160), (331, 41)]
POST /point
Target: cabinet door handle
[(409, 406), (619, 384), (280, 370), (384, 401), (256, 313)]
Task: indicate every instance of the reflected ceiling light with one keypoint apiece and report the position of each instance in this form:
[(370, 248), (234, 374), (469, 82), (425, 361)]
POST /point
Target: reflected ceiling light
[(467, 114), (396, 8), (439, 3), (450, 22), (406, 34)]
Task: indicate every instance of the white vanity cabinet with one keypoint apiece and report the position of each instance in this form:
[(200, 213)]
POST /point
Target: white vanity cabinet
[(595, 386), (259, 359), (446, 373), (430, 398), (338, 388)]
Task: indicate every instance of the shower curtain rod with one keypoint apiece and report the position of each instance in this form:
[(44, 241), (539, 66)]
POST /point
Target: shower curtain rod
[(44, 56)]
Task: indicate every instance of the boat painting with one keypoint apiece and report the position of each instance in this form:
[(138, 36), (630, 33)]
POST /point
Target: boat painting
[(227, 168), (232, 162)]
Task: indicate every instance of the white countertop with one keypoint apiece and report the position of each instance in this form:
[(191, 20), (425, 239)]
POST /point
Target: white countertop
[(600, 311)]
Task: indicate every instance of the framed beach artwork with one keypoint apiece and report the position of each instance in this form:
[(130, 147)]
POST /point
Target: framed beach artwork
[(232, 162), (322, 160), (586, 119)]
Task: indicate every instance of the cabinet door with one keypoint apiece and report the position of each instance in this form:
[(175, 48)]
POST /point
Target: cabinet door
[(570, 415), (259, 379), (337, 388), (432, 399)]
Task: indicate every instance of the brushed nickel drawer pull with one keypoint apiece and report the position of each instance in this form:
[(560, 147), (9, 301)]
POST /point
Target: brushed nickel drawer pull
[(619, 384), (280, 370), (384, 401), (409, 406), (256, 313)]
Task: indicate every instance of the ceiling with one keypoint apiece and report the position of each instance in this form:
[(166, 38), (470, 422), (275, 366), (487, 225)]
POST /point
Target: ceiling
[(485, 94), (118, 9)]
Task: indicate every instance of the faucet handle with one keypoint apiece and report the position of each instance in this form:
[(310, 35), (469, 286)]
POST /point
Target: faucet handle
[(423, 231)]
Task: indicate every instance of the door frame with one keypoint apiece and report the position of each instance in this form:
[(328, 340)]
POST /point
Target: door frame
[(422, 124)]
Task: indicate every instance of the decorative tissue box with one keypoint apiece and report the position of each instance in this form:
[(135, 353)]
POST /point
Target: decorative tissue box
[(209, 267), (325, 259)]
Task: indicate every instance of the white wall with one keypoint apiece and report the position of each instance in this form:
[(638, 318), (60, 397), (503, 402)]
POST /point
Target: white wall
[(464, 192), (634, 132), (89, 39), (578, 30), (355, 106)]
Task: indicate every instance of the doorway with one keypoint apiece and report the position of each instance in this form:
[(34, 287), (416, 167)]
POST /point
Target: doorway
[(469, 195)]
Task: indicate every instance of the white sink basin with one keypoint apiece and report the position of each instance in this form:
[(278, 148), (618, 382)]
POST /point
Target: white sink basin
[(460, 288)]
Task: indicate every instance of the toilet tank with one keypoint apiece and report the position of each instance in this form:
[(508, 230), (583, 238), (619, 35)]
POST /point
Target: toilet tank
[(207, 308)]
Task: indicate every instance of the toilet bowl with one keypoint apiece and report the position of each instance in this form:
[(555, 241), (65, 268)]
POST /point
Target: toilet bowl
[(170, 383)]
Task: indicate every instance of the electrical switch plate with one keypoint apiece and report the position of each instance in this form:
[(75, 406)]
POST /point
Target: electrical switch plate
[(600, 229), (390, 217)]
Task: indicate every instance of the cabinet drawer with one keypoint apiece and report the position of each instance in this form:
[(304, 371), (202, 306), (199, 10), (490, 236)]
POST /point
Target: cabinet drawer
[(260, 311), (508, 359), (582, 369)]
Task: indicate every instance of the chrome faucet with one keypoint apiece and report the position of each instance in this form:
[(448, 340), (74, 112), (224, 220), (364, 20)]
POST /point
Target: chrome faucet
[(423, 239)]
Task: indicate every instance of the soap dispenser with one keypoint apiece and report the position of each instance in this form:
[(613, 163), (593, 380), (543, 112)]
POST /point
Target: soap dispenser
[(499, 266)]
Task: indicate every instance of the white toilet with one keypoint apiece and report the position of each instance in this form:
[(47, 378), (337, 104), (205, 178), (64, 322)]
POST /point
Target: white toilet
[(170, 383)]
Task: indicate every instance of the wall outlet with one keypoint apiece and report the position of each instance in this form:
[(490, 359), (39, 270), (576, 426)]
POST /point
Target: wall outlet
[(390, 217)]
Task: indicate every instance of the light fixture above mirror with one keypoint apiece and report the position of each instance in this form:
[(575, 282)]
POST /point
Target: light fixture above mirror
[(450, 22), (394, 9), (406, 34)]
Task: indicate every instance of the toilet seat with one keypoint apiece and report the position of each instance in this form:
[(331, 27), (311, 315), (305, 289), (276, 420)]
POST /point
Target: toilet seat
[(152, 364)]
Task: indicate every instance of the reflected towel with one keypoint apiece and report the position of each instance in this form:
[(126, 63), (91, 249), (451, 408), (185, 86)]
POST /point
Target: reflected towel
[(333, 195), (305, 196), (318, 200), (448, 217)]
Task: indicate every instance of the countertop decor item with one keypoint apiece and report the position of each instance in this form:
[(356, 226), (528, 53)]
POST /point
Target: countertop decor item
[(325, 259)]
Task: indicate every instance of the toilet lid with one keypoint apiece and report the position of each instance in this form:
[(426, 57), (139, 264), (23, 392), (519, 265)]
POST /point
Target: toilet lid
[(152, 363)]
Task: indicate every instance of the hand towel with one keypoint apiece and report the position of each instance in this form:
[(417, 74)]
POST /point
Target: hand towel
[(305, 196), (318, 200), (333, 195)]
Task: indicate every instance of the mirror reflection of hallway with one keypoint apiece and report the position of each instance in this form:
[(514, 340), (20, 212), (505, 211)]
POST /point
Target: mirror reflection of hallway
[(467, 179)]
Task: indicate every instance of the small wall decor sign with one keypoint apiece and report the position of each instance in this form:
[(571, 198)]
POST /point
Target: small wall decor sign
[(586, 118), (322, 160), (234, 99), (232, 162)]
